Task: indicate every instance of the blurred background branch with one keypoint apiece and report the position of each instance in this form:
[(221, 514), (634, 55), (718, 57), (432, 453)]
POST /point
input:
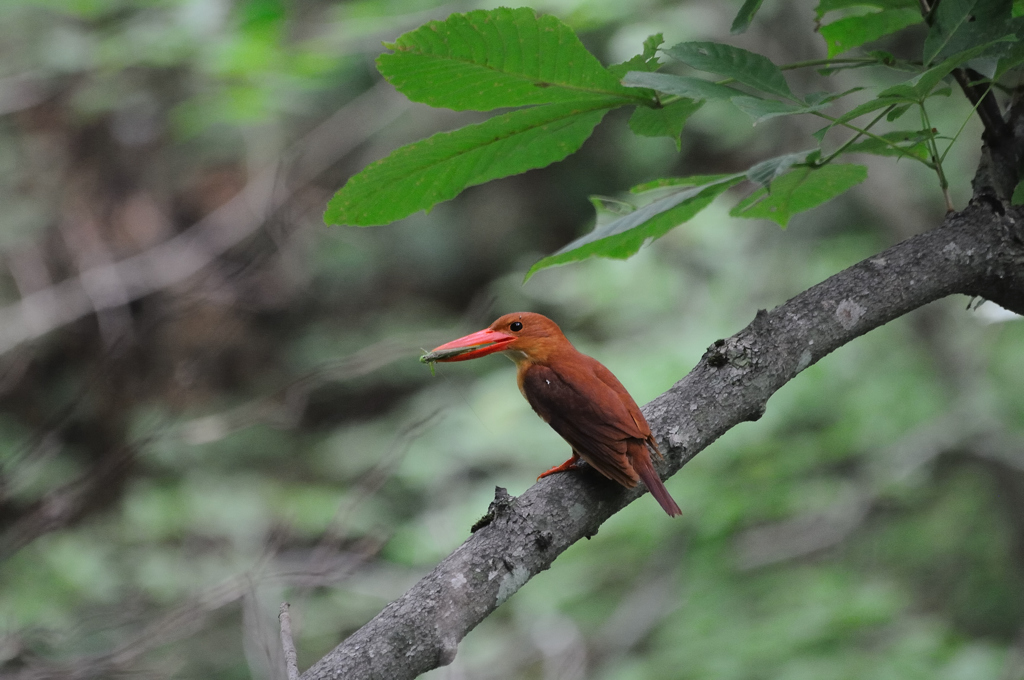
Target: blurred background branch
[(210, 402), (104, 284)]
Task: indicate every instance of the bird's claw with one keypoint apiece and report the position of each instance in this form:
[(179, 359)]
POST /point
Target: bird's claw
[(570, 464)]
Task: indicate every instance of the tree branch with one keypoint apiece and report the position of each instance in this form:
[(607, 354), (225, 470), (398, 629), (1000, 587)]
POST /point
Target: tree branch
[(978, 252), (975, 252)]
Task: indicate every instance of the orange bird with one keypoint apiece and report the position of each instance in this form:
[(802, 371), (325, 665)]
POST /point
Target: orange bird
[(575, 394)]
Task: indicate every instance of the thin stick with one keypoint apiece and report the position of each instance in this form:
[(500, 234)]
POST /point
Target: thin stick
[(291, 662)]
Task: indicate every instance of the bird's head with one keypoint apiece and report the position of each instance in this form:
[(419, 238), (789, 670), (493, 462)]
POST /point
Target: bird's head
[(522, 336)]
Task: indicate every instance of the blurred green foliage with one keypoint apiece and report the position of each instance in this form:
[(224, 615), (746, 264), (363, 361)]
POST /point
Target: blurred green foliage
[(263, 432)]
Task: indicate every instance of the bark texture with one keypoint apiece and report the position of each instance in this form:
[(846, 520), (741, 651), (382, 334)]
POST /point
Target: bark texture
[(978, 252)]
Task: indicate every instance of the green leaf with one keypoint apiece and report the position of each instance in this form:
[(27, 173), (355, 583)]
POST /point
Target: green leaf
[(826, 6), (765, 172), (897, 112), (648, 61), (421, 174), (484, 60), (651, 46), (875, 58), (684, 86), (763, 109), (921, 86), (1018, 194), (691, 181), (908, 143), (745, 16), (623, 236), (960, 25), (828, 98), (666, 121), (846, 34), (746, 67), (1010, 61), (1015, 56), (904, 92), (799, 190), (612, 205)]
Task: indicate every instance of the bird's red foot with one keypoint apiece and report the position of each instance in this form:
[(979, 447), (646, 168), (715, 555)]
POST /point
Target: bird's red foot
[(567, 465)]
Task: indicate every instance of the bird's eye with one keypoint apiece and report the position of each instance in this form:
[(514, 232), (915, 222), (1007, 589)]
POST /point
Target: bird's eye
[(515, 326)]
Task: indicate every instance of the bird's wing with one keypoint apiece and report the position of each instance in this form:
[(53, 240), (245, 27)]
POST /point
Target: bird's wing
[(643, 430), (588, 414)]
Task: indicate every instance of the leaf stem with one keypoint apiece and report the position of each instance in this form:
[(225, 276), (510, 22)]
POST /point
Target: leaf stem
[(933, 150), (966, 120), (867, 133), (827, 62), (857, 136)]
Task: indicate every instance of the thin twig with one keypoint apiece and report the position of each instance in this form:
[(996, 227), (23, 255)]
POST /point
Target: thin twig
[(984, 102), (179, 258), (291, 661)]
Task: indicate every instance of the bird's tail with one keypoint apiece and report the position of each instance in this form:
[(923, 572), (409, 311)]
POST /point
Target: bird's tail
[(641, 461)]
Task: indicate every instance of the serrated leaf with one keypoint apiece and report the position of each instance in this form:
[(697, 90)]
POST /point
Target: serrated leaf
[(907, 143), (647, 61), (666, 121), (765, 172), (419, 175), (763, 109), (483, 60), (960, 25), (826, 6), (623, 236), (799, 190), (651, 45), (1018, 194), (744, 66), (684, 86), (850, 32), (745, 16)]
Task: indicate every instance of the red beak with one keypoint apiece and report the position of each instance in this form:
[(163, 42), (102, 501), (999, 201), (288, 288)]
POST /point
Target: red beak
[(471, 346)]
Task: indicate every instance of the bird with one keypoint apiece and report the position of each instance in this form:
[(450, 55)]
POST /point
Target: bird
[(575, 394)]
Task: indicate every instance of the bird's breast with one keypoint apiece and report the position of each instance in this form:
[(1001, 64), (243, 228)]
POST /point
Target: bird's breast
[(521, 376)]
